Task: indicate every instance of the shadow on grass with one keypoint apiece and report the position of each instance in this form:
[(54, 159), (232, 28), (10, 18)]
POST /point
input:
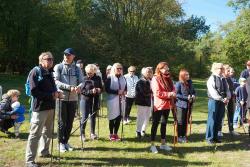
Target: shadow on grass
[(126, 162)]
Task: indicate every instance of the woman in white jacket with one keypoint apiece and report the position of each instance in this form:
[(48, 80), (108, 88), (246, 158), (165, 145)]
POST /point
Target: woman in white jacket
[(115, 86)]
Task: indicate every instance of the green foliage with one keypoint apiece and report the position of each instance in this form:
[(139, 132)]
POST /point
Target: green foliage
[(237, 44), (134, 32)]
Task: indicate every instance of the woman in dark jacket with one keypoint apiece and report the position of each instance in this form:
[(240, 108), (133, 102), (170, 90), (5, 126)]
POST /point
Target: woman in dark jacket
[(6, 117), (91, 90), (185, 94), (143, 96)]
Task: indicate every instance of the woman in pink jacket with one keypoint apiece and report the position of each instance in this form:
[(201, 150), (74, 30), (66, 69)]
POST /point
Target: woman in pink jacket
[(163, 91)]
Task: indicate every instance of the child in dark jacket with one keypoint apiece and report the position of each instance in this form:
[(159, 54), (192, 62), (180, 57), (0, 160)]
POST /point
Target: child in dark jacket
[(19, 110), (241, 101)]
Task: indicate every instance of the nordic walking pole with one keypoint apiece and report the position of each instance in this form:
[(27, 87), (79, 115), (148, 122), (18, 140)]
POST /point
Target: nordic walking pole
[(188, 112), (82, 123), (242, 115), (78, 113), (58, 131), (175, 120), (98, 117), (92, 109), (52, 136), (121, 114)]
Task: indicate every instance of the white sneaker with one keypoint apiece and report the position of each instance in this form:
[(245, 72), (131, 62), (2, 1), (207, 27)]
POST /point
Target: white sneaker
[(62, 148), (93, 136), (82, 137), (165, 147), (220, 134), (125, 122), (234, 133), (235, 126), (180, 140), (184, 139), (69, 147), (153, 149)]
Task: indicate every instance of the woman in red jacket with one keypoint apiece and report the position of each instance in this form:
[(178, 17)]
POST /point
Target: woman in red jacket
[(164, 92)]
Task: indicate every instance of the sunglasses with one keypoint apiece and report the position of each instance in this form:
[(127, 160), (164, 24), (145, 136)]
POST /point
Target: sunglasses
[(49, 59)]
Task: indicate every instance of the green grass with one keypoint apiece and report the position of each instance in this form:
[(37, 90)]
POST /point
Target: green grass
[(234, 151)]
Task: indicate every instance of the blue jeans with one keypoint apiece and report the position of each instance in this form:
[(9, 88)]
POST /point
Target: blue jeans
[(239, 112), (216, 110)]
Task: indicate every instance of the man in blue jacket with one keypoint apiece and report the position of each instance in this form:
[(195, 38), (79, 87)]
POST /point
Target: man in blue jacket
[(44, 93)]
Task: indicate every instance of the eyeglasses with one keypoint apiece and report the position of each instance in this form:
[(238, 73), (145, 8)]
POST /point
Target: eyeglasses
[(119, 68), (131, 71), (49, 59)]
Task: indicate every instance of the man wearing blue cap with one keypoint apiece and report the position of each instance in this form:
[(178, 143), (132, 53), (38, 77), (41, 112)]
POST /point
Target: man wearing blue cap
[(68, 78)]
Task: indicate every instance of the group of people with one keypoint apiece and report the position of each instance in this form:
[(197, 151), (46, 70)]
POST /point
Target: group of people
[(227, 96), (155, 94)]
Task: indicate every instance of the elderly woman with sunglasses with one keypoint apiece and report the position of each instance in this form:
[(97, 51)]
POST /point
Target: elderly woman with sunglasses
[(219, 95), (89, 105), (164, 94), (115, 86)]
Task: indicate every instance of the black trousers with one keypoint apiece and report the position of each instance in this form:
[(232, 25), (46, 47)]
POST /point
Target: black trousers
[(182, 114), (159, 116), (114, 125), (230, 115), (6, 124), (89, 110), (67, 115), (129, 103)]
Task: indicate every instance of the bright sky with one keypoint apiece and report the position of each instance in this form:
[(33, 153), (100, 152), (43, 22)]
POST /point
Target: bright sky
[(216, 12)]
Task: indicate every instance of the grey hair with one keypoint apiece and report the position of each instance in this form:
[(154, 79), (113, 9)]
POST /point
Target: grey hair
[(43, 54), (215, 66), (91, 68), (112, 72), (144, 70)]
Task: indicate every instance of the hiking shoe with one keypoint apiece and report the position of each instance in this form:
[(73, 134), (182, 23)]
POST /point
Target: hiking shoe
[(235, 126), (234, 133), (220, 134), (69, 147), (82, 137), (165, 147), (111, 137), (128, 120), (217, 141), (45, 156), (138, 135), (125, 122), (153, 149), (93, 136), (31, 164), (117, 138), (143, 133), (180, 140), (184, 139), (210, 142), (62, 148)]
